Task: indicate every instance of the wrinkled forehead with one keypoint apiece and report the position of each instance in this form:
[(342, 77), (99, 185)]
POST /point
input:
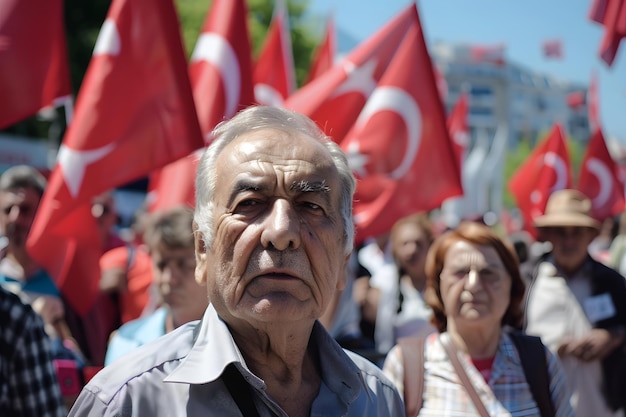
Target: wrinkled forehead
[(277, 143), (463, 252)]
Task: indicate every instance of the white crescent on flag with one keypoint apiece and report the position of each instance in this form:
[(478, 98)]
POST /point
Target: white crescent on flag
[(216, 50), (605, 179), (397, 100), (557, 163), (553, 160)]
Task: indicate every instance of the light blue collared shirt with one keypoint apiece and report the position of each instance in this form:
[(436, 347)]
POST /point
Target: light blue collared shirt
[(180, 374)]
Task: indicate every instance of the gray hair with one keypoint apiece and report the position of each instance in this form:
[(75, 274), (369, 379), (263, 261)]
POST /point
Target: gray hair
[(259, 118), (23, 176)]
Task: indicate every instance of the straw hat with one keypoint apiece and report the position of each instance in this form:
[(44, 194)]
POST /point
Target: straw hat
[(567, 208)]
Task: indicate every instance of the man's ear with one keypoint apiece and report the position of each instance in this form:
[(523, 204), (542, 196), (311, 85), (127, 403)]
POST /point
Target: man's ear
[(343, 278), (201, 257)]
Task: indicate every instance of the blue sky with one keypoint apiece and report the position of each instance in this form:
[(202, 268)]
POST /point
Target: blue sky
[(521, 25)]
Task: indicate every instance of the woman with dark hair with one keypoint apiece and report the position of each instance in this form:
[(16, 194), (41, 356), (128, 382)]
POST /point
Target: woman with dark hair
[(473, 366)]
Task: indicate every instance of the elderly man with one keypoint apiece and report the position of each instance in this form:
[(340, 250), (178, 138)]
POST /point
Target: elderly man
[(578, 307), (274, 233)]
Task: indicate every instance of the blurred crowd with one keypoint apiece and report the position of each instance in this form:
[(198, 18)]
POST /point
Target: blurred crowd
[(564, 284)]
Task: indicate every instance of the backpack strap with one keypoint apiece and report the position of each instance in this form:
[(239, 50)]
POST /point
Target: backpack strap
[(412, 349), (533, 356)]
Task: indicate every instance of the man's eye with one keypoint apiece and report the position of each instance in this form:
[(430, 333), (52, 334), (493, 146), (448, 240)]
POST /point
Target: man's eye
[(247, 203), (313, 206)]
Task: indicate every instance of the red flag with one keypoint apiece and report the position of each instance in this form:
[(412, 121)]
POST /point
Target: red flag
[(547, 169), (576, 99), (491, 54), (442, 84), (459, 130), (34, 69), (597, 13), (613, 15), (325, 53), (335, 99), (593, 103), (399, 146), (221, 64), (553, 48), (221, 78), (274, 73), (599, 179), (134, 113)]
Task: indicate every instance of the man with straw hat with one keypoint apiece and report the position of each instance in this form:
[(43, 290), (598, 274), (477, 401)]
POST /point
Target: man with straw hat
[(577, 306)]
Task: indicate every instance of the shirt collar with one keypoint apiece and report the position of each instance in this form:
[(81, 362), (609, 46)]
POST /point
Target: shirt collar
[(214, 348)]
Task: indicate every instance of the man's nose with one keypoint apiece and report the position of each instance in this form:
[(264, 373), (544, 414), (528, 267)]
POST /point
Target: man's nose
[(281, 228)]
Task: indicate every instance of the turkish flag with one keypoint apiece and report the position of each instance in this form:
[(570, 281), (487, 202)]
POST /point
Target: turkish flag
[(221, 79), (553, 48), (221, 64), (600, 180), (324, 56), (612, 15), (274, 73), (34, 70), (597, 12), (547, 169), (576, 99), (134, 113), (593, 103), (335, 99), (489, 54), (399, 146), (459, 129)]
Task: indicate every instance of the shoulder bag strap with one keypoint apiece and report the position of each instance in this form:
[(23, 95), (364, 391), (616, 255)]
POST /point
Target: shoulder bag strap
[(458, 367), (533, 357), (412, 349), (240, 391)]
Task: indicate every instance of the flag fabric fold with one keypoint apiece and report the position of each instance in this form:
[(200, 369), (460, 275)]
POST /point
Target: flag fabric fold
[(34, 67), (274, 72), (612, 15), (593, 103), (599, 179), (547, 169), (553, 48), (134, 113), (324, 55), (459, 129), (399, 146), (335, 99), (221, 79)]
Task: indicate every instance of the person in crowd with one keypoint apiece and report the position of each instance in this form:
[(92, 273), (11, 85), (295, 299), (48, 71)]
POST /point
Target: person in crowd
[(170, 241), (103, 318), (410, 238), (600, 246), (21, 189), (476, 292), (127, 274), (342, 318), (617, 250), (577, 305), (274, 232), (376, 291), (28, 382)]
